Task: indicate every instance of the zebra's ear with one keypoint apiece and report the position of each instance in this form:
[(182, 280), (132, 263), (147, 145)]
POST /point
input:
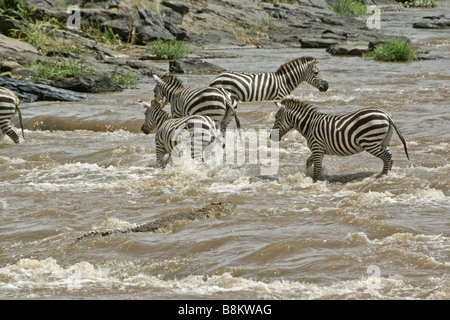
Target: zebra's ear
[(157, 79), (144, 104)]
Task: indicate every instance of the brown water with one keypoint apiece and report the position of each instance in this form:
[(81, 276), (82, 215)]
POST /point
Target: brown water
[(85, 166)]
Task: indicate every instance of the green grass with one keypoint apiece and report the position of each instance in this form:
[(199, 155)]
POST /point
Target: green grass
[(101, 34), (349, 7), (395, 50), (172, 49), (123, 78), (51, 70)]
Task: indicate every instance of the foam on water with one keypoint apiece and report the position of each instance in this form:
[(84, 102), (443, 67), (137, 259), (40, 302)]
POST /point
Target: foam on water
[(48, 278)]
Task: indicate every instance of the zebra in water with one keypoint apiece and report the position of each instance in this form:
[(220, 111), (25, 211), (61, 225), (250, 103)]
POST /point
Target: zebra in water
[(216, 103), (9, 106), (367, 129), (172, 132), (272, 85)]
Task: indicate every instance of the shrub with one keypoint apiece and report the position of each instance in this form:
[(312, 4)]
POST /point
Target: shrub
[(349, 7), (172, 49), (395, 50)]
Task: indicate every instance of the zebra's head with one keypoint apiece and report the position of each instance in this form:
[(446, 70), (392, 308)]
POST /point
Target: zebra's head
[(312, 76), (154, 115), (282, 125), (165, 86)]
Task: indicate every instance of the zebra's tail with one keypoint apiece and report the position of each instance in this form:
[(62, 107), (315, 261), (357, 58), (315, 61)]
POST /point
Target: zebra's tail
[(20, 121), (400, 136)]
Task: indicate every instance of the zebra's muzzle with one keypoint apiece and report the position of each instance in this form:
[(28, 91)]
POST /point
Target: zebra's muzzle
[(323, 86), (275, 135), (145, 129)]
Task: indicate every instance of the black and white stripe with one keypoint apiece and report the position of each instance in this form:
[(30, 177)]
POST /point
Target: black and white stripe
[(199, 132), (216, 103), (367, 129), (273, 85), (9, 106)]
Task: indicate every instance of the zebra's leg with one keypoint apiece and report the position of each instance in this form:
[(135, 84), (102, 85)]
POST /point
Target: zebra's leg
[(309, 161), (383, 154), (317, 158), (7, 128), (161, 160)]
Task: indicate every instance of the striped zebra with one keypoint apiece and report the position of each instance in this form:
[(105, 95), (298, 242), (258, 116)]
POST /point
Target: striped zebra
[(215, 103), (272, 85), (198, 131), (9, 106), (367, 129)]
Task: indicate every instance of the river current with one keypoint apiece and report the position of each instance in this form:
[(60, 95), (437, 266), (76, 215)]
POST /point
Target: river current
[(353, 235)]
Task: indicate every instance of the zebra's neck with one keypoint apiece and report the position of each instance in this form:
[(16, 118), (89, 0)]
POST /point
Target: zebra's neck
[(302, 119), (160, 116), (290, 76), (172, 91)]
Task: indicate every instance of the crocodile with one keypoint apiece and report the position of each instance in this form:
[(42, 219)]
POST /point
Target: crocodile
[(173, 221)]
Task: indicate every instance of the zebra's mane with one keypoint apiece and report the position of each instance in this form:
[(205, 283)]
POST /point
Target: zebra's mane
[(172, 79), (286, 66), (295, 104)]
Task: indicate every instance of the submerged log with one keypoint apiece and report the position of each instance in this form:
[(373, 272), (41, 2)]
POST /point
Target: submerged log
[(173, 221)]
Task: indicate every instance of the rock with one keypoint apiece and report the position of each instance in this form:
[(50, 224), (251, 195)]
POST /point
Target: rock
[(178, 7), (29, 92), (86, 82), (348, 49), (16, 45), (10, 25), (317, 42), (436, 22), (9, 65), (12, 69), (193, 66)]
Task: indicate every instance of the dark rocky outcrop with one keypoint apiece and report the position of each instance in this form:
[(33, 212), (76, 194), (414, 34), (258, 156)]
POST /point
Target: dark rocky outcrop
[(433, 22), (85, 82), (193, 66), (356, 49), (29, 92)]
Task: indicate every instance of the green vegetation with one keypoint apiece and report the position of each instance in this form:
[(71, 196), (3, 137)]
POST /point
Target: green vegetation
[(349, 7), (123, 78), (101, 34), (51, 70), (172, 49), (37, 35), (19, 7), (421, 3), (395, 50)]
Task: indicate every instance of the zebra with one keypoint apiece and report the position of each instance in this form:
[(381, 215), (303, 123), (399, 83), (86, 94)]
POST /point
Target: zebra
[(9, 106), (216, 103), (367, 129), (170, 132), (269, 86)]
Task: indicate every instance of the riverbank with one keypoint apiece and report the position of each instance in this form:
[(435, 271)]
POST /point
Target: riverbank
[(109, 39)]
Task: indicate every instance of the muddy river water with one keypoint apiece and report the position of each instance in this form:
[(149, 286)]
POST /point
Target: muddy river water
[(353, 235)]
